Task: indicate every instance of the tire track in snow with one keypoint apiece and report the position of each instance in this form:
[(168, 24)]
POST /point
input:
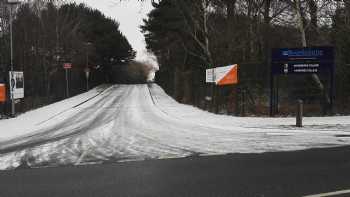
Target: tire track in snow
[(137, 122), (69, 127)]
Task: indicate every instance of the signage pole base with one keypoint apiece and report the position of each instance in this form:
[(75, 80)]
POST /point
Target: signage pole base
[(271, 95), (13, 111), (67, 86), (87, 85)]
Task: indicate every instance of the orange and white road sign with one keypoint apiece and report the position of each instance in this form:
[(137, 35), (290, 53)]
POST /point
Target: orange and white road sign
[(226, 75), (2, 93)]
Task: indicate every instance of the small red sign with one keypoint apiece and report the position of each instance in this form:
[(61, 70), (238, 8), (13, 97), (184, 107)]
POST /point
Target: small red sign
[(67, 65), (2, 93)]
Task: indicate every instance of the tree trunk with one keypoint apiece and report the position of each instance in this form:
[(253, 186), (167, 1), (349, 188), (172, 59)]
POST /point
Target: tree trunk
[(177, 83), (347, 8), (300, 23), (266, 35), (187, 93), (315, 77), (231, 12), (207, 48), (313, 34)]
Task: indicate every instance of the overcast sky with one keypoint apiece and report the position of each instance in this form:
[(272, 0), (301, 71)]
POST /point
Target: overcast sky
[(129, 14)]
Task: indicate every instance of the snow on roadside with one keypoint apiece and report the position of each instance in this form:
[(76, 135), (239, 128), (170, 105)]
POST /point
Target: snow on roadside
[(136, 122), (39, 118), (186, 112)]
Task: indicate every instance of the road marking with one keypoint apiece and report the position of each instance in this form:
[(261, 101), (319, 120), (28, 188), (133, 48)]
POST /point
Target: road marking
[(330, 193)]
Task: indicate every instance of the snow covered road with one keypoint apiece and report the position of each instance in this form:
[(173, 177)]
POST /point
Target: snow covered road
[(136, 122)]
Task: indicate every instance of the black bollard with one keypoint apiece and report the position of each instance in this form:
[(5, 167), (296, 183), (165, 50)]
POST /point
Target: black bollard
[(299, 115)]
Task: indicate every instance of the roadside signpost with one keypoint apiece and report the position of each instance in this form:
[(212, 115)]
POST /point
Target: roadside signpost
[(221, 76), (87, 75), (302, 60), (286, 61), (226, 75), (17, 85), (2, 98), (2, 93), (209, 75), (12, 4), (16, 80), (67, 66)]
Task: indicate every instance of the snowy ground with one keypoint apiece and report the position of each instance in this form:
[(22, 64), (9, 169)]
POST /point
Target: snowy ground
[(136, 122)]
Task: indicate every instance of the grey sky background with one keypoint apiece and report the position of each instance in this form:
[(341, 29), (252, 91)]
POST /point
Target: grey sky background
[(129, 14)]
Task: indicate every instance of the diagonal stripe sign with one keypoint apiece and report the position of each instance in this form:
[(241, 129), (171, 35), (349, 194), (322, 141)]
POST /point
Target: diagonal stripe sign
[(226, 75)]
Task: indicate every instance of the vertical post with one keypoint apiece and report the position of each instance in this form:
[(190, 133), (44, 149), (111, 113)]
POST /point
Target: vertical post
[(216, 99), (213, 92), (87, 84), (67, 85), (87, 66), (11, 39), (235, 100), (243, 102), (271, 94), (13, 110), (299, 115), (331, 94), (277, 96)]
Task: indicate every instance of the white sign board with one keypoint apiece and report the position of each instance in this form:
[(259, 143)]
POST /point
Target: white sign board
[(209, 76), (16, 84)]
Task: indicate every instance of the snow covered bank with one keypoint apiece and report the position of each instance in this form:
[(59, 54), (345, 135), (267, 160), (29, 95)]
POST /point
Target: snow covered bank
[(33, 120), (135, 122)]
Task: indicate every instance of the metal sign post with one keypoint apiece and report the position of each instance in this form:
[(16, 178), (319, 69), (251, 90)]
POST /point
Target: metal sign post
[(67, 66), (12, 3), (299, 114), (220, 76), (87, 76), (67, 83), (12, 88)]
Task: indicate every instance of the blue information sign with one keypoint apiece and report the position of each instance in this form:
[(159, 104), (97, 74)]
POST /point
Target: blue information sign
[(302, 60), (312, 60)]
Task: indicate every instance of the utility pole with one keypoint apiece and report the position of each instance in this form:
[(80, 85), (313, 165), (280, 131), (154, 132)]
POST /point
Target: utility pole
[(13, 110), (67, 66), (87, 69), (67, 83), (12, 3)]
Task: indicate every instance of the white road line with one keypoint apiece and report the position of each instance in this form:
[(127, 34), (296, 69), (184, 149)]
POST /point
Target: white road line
[(330, 193)]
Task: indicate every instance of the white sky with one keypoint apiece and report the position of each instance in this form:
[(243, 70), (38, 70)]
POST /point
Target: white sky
[(129, 13)]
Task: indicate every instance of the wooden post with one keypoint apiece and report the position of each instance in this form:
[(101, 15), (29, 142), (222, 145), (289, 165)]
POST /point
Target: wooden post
[(243, 110), (299, 115)]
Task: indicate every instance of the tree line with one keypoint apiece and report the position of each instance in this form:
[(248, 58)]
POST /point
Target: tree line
[(47, 34), (190, 36)]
